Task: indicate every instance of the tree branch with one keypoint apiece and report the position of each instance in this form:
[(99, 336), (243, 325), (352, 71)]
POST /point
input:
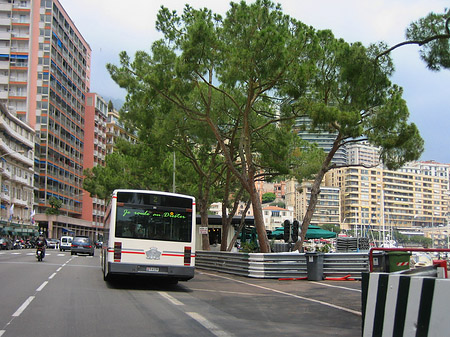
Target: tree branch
[(418, 42)]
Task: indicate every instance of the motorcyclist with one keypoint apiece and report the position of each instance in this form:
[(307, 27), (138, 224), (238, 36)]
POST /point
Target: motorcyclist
[(41, 243)]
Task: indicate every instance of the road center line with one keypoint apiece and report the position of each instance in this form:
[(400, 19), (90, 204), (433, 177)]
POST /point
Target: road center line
[(23, 306), (42, 286), (173, 300), (208, 325)]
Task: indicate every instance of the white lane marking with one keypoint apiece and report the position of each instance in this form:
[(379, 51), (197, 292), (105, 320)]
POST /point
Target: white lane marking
[(288, 294), (2, 332), (229, 292), (208, 325), (52, 276), (173, 300), (42, 286), (23, 306), (334, 286)]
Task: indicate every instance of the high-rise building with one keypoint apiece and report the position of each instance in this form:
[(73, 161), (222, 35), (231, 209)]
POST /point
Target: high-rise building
[(362, 153), (94, 154), (378, 197), (328, 206), (115, 130), (323, 139), (44, 77)]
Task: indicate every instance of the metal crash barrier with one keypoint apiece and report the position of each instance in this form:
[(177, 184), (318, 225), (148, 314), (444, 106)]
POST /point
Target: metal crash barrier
[(405, 301)]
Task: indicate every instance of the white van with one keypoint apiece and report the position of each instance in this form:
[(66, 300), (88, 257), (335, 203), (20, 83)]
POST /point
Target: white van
[(65, 243)]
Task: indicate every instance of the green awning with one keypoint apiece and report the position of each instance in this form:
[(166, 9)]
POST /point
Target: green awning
[(314, 232)]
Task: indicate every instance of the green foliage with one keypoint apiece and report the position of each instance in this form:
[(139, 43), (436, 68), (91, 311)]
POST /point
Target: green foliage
[(268, 197), (417, 240), (324, 248), (134, 166), (433, 33), (226, 92), (331, 228), (249, 247), (279, 204), (55, 204)]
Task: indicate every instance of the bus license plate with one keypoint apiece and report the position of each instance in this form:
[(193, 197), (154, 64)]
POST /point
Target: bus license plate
[(152, 269)]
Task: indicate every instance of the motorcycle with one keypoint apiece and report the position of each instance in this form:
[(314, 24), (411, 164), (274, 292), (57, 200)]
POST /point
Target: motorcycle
[(40, 253)]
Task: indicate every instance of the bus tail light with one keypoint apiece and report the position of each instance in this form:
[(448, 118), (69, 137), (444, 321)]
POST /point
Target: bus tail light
[(187, 256), (117, 251)]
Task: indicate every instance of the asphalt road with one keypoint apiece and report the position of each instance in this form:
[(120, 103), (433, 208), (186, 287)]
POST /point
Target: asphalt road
[(66, 296)]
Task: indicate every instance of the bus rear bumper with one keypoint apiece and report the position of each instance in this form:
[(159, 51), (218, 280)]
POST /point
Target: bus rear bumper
[(182, 273)]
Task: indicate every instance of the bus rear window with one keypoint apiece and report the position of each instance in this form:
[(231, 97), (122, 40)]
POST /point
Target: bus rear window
[(154, 223)]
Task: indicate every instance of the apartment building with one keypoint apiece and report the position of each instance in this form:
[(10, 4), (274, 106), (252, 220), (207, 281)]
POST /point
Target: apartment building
[(378, 197), (115, 130), (44, 77), (94, 154), (275, 216), (16, 175), (328, 205), (362, 153)]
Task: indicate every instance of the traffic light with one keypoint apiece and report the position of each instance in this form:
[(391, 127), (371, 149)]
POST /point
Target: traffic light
[(295, 231), (287, 230)]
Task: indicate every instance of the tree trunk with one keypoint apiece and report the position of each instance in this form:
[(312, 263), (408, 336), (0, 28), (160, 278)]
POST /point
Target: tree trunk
[(241, 225), (205, 237), (315, 191), (203, 210), (259, 222)]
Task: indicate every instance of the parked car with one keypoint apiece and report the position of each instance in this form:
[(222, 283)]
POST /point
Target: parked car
[(65, 243), (82, 245), (53, 243), (5, 244)]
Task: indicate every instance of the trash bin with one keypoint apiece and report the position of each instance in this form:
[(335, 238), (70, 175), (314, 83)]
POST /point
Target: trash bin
[(314, 266), (379, 262), (397, 260)]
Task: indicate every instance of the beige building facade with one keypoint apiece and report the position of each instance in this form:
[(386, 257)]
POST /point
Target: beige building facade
[(328, 206), (375, 197)]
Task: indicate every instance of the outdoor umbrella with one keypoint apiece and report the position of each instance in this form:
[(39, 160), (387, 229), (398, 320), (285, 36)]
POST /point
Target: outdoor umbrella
[(315, 232), (278, 233)]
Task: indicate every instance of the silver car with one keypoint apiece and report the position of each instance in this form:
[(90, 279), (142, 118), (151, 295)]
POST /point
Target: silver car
[(82, 245)]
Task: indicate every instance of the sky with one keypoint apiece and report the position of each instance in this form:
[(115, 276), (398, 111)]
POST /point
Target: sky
[(112, 26)]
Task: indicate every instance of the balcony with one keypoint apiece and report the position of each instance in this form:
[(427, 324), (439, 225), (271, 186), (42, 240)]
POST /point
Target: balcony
[(5, 196), (5, 22), (21, 180), (4, 79), (6, 174), (4, 65), (5, 7), (19, 202)]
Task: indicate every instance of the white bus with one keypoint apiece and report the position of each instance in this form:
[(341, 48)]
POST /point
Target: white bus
[(149, 233)]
